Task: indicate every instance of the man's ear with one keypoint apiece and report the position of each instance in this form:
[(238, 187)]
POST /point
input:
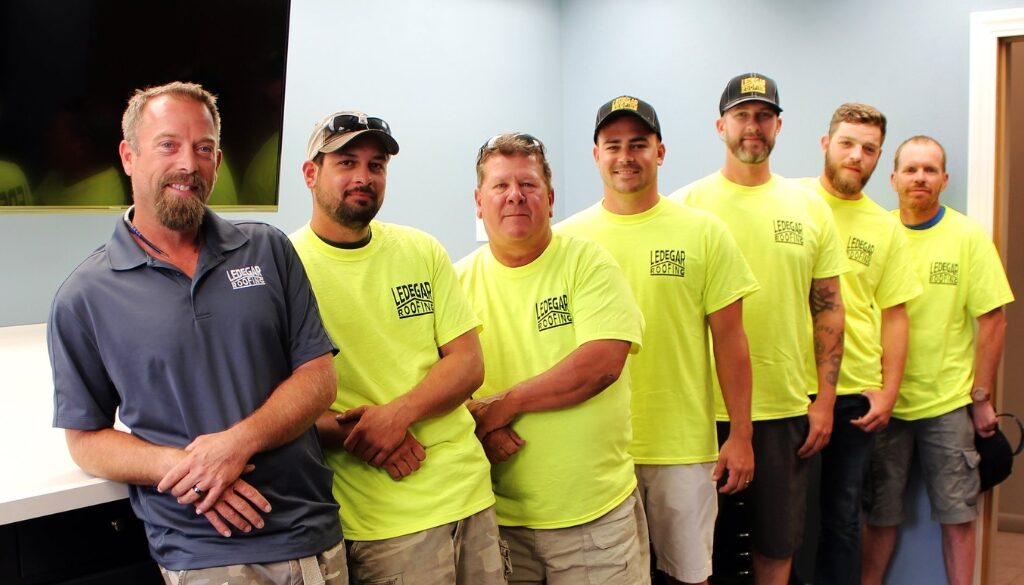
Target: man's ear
[(127, 157), (310, 170)]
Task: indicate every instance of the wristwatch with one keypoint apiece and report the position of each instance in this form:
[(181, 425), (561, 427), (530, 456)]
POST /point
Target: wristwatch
[(980, 395)]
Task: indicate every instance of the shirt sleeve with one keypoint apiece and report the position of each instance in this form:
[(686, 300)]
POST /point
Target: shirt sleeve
[(988, 287), (453, 313), (729, 276), (307, 336), (84, 395), (899, 282), (831, 260), (603, 304)]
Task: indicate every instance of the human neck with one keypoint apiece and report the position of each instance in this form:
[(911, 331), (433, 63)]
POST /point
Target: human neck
[(748, 175), (331, 230), (912, 217), (630, 203), (517, 255)]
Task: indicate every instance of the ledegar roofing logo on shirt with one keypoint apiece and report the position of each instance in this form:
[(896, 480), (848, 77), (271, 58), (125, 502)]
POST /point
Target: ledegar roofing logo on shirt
[(245, 277), (413, 299)]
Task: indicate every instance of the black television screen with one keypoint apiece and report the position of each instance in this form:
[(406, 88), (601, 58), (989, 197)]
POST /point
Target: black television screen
[(68, 67)]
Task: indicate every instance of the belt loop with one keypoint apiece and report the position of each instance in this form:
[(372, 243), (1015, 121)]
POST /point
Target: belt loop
[(311, 573)]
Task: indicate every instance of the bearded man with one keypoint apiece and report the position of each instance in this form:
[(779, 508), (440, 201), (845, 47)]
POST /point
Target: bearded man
[(203, 337), (789, 239), (411, 477), (875, 291)]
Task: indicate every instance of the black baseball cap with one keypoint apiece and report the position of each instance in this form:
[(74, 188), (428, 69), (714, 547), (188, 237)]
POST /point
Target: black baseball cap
[(626, 104), (750, 87)]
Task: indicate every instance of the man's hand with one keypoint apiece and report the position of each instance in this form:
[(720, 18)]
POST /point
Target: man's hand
[(736, 455), (879, 412), (405, 459), (819, 417), (490, 414), (983, 414), (210, 465), (501, 444), (377, 432), (240, 506)]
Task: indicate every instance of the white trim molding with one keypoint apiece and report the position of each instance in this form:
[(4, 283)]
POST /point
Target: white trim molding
[(987, 29)]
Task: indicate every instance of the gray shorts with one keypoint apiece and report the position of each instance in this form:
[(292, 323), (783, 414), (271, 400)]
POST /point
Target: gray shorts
[(459, 553), (327, 567), (949, 468)]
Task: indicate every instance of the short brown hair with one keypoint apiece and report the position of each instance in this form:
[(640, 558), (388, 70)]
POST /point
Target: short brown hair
[(178, 89), (921, 139), (510, 144), (853, 113)]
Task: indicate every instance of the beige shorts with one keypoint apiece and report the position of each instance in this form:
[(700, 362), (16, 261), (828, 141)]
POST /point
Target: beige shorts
[(611, 550), (460, 553), (328, 567), (681, 504)]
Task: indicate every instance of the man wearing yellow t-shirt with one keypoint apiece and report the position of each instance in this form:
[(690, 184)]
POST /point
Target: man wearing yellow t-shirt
[(410, 475), (559, 321), (880, 281), (687, 274), (794, 323), (944, 397)]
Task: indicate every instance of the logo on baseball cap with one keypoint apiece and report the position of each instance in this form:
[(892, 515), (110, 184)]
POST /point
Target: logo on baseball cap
[(625, 104), (750, 87)]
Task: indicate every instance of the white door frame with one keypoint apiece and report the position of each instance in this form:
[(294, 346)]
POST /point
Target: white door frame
[(987, 29)]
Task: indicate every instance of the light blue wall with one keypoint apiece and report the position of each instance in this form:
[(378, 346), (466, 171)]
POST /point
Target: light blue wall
[(908, 58)]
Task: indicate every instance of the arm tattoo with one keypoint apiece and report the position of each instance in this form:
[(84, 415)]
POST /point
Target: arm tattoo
[(828, 340), (823, 298)]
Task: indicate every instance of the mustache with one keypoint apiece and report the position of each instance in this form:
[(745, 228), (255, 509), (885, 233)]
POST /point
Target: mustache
[(191, 179), (367, 189)]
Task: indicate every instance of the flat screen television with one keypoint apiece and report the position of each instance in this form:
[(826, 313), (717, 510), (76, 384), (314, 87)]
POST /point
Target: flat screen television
[(68, 67)]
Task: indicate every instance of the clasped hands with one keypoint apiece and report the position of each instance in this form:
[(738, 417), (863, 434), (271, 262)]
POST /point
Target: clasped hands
[(375, 434), (207, 474), (493, 428)]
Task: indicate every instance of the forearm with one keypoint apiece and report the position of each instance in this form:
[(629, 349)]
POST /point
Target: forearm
[(895, 327), (120, 456), (448, 383), (732, 364), (332, 436), (735, 379), (828, 316), (291, 409), (581, 375), (989, 348)]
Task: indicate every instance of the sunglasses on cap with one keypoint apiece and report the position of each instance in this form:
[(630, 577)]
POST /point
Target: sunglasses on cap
[(352, 122), (492, 143)]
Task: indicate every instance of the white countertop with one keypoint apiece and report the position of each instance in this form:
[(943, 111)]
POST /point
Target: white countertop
[(39, 477)]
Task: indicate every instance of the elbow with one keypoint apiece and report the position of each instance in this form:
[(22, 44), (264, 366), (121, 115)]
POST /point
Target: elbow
[(605, 378), (474, 375), (326, 385)]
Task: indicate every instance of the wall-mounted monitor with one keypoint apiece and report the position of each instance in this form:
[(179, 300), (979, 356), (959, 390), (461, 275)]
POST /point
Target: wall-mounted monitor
[(68, 67)]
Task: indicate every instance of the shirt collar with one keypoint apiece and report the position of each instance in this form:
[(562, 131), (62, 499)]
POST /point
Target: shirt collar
[(221, 236)]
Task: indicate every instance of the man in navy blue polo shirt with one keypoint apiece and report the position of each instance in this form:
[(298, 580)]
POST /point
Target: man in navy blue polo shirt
[(204, 338)]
